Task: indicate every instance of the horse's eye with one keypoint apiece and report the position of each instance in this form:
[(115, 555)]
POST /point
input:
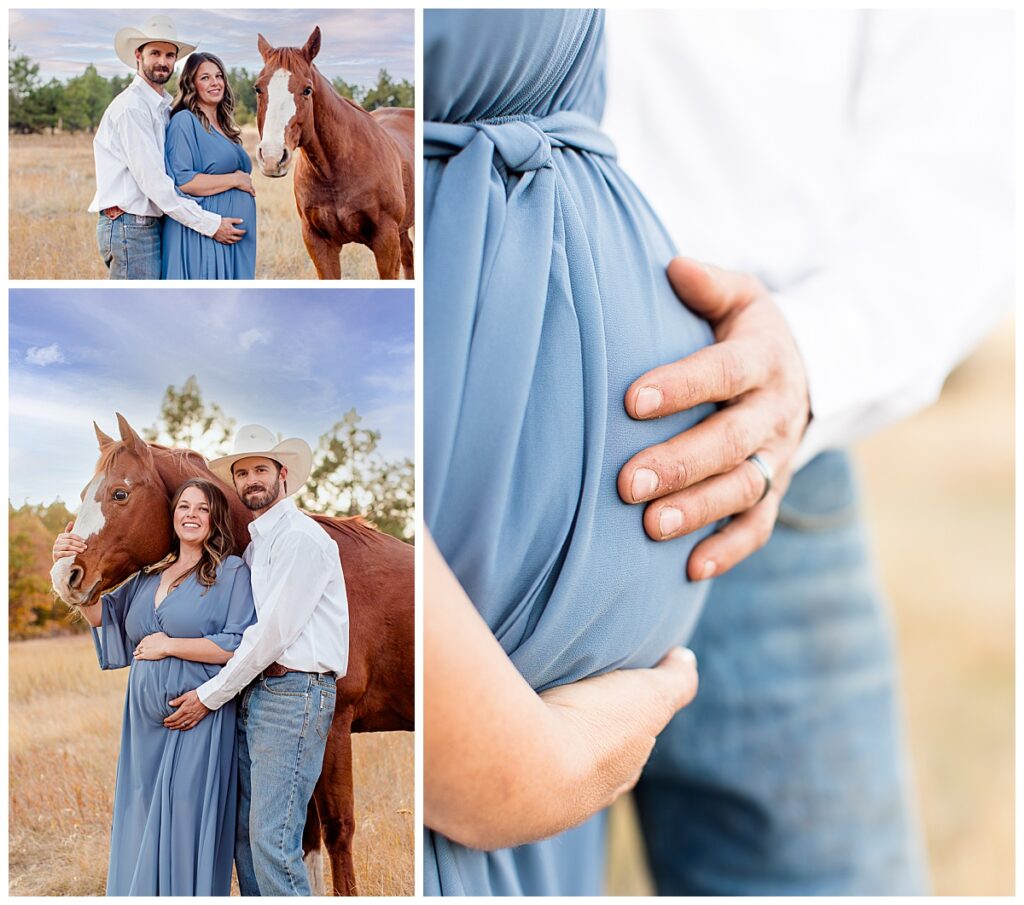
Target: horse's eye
[(120, 495), (307, 91)]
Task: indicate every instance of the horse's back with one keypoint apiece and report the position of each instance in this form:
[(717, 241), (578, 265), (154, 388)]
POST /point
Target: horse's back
[(379, 581), (400, 124)]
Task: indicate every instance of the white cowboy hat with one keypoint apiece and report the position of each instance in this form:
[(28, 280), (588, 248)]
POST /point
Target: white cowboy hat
[(256, 440), (157, 28)]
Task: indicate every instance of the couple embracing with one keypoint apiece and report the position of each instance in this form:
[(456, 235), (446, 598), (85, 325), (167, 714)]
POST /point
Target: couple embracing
[(226, 717), (174, 193)]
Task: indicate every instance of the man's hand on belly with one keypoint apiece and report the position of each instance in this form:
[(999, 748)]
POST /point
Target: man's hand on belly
[(190, 711), (702, 475)]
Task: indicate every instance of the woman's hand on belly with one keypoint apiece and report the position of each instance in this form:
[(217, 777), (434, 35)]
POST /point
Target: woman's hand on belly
[(153, 647), (704, 474), (503, 765), (244, 182)]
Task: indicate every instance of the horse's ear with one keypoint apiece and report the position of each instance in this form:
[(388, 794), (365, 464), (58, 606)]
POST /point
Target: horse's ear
[(131, 439), (105, 441), (263, 45), (312, 47)]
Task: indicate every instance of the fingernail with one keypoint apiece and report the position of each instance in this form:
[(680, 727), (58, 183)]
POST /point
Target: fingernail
[(688, 655), (669, 521), (648, 401), (645, 482), (708, 570)]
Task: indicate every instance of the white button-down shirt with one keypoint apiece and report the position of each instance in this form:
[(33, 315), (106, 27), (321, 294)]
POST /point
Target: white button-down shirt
[(130, 169), (859, 162), (301, 606)]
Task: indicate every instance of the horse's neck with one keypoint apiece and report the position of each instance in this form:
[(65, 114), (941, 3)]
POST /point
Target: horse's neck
[(339, 126), (176, 466)]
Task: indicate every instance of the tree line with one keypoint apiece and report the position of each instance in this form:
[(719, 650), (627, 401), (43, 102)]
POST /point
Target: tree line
[(349, 478), (77, 104)]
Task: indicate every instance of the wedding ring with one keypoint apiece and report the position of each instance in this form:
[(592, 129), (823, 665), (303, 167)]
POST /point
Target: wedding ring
[(766, 473)]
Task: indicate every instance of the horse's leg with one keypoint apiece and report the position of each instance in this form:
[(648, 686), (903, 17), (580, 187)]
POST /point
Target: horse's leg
[(336, 803), (407, 263), (326, 255), (312, 853), (387, 249)]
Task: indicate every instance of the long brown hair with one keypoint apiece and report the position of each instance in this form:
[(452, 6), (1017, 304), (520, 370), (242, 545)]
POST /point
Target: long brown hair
[(218, 543), (187, 97)]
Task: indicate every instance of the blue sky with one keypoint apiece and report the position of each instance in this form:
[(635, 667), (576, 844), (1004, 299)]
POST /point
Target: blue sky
[(355, 43), (294, 360)]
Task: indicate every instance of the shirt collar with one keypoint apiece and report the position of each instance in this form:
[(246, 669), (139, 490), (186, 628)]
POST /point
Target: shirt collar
[(163, 99), (264, 524)]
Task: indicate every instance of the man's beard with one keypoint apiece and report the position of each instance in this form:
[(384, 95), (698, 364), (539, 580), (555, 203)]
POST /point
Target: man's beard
[(263, 499), (157, 78)]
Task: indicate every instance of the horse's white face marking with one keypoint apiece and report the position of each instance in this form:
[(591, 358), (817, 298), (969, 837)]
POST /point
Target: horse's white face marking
[(281, 108), (90, 518), (90, 521)]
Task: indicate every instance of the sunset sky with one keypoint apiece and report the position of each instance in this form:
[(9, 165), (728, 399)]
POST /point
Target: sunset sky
[(355, 43)]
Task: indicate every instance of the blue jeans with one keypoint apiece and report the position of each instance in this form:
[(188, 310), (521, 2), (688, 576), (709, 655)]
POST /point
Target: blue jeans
[(282, 733), (130, 246), (788, 774)]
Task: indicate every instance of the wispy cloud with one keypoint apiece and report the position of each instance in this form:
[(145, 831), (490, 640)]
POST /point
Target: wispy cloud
[(254, 337), (45, 355)]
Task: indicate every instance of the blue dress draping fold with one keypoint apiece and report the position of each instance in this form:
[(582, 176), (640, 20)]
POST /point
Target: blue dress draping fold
[(176, 792), (545, 297), (190, 150)]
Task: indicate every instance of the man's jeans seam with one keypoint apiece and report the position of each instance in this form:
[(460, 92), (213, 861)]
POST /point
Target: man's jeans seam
[(293, 791)]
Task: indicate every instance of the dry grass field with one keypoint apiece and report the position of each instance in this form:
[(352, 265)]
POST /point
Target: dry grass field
[(939, 492), (53, 237), (64, 734)]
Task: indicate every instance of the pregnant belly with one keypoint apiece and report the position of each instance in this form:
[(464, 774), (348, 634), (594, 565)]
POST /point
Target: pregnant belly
[(152, 684), (530, 518), (233, 203)]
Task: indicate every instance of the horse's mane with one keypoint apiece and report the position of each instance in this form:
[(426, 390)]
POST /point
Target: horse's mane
[(188, 461)]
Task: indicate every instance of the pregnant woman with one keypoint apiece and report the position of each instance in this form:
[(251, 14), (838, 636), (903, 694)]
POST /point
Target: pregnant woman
[(174, 624), (545, 296), (205, 158)]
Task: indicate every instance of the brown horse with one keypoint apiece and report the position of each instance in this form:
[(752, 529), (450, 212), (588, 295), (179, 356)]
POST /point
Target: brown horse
[(354, 175), (125, 519)]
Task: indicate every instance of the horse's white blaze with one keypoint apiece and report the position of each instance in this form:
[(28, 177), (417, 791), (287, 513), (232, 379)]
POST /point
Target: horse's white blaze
[(281, 108), (90, 518), (89, 522), (314, 862)]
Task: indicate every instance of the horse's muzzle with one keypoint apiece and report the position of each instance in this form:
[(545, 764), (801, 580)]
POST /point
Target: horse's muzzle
[(67, 578), (274, 169)]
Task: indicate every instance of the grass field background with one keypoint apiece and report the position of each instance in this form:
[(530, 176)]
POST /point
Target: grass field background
[(53, 237), (939, 493), (64, 735)]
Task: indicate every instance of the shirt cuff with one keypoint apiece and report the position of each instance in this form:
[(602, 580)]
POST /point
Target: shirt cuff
[(211, 693), (824, 340), (209, 224)]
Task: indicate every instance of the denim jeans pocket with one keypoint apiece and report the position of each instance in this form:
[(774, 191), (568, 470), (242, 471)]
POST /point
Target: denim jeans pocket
[(292, 684), (326, 699)]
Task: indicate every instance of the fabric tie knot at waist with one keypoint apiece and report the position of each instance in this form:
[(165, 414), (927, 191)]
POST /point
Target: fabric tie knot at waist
[(522, 145)]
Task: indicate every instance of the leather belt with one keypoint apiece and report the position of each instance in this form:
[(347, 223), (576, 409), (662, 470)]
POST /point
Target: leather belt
[(276, 670)]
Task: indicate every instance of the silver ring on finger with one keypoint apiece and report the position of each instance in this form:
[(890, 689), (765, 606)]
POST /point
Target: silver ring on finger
[(766, 473)]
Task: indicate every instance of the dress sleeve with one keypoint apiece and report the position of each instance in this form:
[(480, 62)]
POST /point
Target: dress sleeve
[(113, 648), (241, 612), (181, 150)]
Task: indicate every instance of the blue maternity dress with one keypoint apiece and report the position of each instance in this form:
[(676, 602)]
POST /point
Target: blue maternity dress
[(545, 297), (175, 798), (187, 255)]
